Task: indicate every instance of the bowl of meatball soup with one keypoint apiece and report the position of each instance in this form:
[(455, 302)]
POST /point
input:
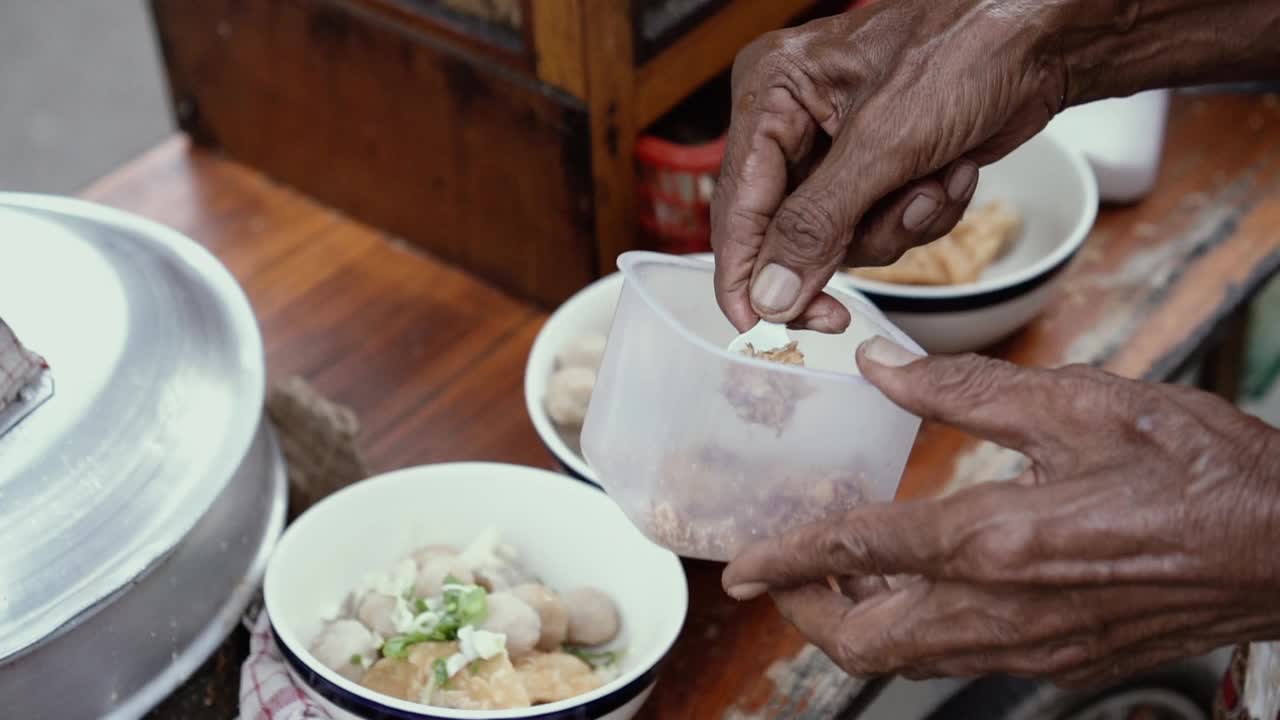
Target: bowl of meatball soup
[(473, 590)]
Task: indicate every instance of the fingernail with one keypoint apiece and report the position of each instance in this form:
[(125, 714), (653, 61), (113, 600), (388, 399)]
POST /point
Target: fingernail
[(775, 289), (832, 323), (919, 211), (748, 591), (963, 179), (883, 351)]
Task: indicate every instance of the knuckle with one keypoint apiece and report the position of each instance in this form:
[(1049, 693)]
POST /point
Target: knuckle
[(983, 663), (748, 228), (1063, 660), (773, 42), (748, 58), (966, 379), (848, 549), (1004, 631), (1024, 666), (783, 61), (1082, 397), (852, 657), (810, 230), (1097, 393), (785, 121), (917, 674), (793, 61), (1092, 651), (1029, 617), (1144, 410), (1007, 550), (792, 551), (767, 56), (1090, 390)]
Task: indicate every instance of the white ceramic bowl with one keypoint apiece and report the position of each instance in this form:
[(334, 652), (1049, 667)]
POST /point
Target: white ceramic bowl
[(372, 524), (1057, 195), (590, 310)]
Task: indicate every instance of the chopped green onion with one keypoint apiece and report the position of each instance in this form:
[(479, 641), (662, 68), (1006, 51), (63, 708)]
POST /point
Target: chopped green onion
[(600, 659), (440, 673), (461, 606), (398, 646), (472, 606), (357, 659)]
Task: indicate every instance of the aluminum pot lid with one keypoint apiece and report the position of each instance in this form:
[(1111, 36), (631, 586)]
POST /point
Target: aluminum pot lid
[(156, 364)]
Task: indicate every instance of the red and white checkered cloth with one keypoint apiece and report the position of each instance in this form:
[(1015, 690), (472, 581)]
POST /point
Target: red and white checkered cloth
[(267, 690), (18, 365)]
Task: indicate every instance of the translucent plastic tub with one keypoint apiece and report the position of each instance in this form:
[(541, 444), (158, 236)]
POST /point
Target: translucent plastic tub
[(706, 450)]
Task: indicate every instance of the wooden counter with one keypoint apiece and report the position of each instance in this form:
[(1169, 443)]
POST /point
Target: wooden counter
[(504, 146), (432, 359)]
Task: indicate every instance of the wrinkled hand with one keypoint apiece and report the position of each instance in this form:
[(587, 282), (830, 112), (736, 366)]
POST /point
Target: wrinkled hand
[(1147, 528), (856, 137)]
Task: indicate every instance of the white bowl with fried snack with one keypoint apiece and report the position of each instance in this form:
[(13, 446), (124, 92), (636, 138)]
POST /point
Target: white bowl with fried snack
[(369, 526), (1055, 194)]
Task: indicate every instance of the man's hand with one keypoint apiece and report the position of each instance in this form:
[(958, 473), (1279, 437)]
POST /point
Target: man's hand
[(1146, 529), (857, 137)]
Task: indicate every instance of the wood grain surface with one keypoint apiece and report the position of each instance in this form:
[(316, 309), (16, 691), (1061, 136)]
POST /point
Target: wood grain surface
[(374, 115), (432, 359)]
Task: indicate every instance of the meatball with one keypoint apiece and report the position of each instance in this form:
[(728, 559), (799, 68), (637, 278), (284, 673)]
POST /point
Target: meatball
[(426, 553), (501, 577), (593, 618), (495, 565), (512, 617), (377, 611), (433, 573), (343, 641), (586, 351), (568, 394), (551, 612)]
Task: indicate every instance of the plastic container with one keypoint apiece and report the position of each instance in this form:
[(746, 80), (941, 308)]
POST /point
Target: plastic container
[(675, 184), (1122, 138), (706, 450)]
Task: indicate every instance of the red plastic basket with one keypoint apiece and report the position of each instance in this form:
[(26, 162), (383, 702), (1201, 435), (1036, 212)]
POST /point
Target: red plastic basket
[(675, 186)]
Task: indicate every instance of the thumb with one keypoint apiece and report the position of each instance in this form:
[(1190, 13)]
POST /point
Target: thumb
[(810, 232), (808, 237), (992, 399)]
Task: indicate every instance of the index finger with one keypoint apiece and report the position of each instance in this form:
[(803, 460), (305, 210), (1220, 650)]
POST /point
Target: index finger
[(879, 539), (764, 134)]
